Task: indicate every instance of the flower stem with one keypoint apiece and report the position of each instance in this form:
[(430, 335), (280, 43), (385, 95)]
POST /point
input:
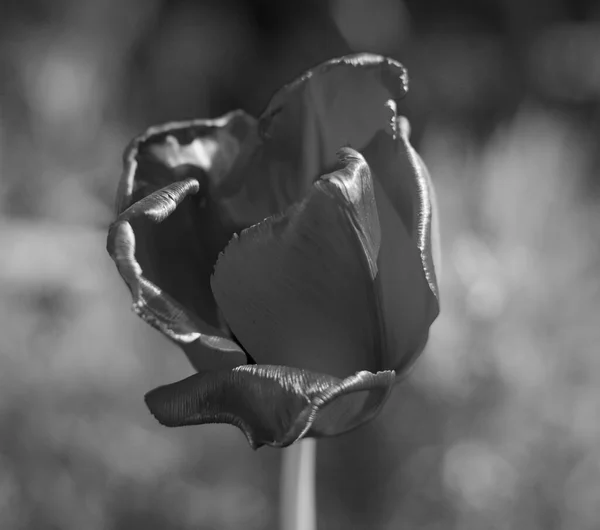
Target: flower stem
[(298, 511)]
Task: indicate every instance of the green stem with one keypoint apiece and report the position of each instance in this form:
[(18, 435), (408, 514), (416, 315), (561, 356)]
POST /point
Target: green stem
[(298, 511)]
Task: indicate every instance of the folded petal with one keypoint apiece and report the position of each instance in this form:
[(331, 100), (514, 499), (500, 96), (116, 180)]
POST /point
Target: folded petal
[(297, 289), (152, 245), (407, 284), (272, 405)]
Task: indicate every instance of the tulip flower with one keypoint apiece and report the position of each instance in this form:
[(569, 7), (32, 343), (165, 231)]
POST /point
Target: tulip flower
[(290, 256)]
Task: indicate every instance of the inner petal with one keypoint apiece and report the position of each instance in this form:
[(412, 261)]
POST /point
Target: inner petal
[(339, 103), (297, 289)]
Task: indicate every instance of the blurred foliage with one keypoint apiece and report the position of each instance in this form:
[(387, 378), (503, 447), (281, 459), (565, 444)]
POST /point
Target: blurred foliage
[(497, 426)]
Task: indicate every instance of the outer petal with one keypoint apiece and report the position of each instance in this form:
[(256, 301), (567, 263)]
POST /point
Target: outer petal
[(297, 289), (407, 282), (408, 185), (272, 405), (206, 345)]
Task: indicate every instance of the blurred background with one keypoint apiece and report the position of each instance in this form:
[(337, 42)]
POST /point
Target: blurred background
[(498, 425)]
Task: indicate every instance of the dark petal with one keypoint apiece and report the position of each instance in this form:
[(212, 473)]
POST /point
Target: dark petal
[(272, 405), (407, 282), (150, 243), (297, 289), (340, 103), (407, 182), (428, 231)]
